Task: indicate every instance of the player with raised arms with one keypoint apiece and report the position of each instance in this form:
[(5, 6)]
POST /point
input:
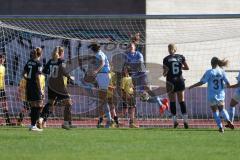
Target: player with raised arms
[(57, 86), (32, 72), (216, 79), (173, 64)]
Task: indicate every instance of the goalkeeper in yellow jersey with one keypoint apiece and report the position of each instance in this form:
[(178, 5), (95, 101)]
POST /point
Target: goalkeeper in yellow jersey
[(22, 95), (3, 99), (111, 96)]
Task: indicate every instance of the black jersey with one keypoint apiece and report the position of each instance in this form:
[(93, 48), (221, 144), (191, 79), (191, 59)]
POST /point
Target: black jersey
[(52, 67), (57, 80), (32, 69), (174, 64)]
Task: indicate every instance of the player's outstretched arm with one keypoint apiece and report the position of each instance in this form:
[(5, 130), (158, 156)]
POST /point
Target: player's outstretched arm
[(234, 85), (196, 85)]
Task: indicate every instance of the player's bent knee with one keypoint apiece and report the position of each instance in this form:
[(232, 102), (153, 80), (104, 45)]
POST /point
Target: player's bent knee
[(67, 102)]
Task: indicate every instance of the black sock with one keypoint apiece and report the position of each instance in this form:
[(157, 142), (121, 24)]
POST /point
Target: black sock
[(21, 116), (35, 114), (7, 117), (183, 107), (116, 119), (173, 108), (100, 120), (45, 112)]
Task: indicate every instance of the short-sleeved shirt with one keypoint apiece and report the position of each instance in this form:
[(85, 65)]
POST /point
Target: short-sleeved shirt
[(102, 57), (57, 80), (136, 62), (2, 77), (216, 79), (33, 68), (127, 85), (174, 64)]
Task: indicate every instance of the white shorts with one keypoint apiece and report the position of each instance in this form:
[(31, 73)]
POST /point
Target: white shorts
[(216, 102), (103, 80), (236, 97)]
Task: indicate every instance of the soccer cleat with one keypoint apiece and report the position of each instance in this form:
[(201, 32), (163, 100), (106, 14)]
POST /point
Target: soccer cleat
[(229, 125), (166, 103), (162, 109), (221, 130), (175, 125), (35, 128), (100, 125), (185, 125), (67, 127), (133, 125), (40, 123)]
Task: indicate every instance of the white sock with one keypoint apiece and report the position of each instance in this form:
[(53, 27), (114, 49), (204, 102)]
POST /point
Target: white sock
[(185, 118), (174, 118), (66, 123)]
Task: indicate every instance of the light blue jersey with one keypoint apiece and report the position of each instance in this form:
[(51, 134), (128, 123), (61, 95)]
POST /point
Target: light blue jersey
[(136, 62), (102, 57), (216, 79)]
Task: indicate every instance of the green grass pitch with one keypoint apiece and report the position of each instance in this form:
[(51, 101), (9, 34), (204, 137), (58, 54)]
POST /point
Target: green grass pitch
[(122, 144)]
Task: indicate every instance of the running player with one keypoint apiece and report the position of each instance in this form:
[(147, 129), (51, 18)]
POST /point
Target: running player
[(173, 64), (32, 72), (235, 99), (3, 98), (216, 79), (57, 86)]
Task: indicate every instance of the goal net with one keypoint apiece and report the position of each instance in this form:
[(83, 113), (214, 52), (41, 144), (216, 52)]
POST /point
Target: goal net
[(198, 38)]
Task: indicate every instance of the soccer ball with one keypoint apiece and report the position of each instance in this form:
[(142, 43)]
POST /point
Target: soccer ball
[(144, 96)]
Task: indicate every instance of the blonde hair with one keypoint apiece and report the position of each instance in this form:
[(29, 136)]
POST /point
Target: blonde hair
[(221, 63), (55, 53), (37, 52), (173, 47)]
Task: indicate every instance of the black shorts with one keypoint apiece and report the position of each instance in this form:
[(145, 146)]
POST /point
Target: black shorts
[(2, 95), (129, 102), (175, 85), (56, 96), (33, 93)]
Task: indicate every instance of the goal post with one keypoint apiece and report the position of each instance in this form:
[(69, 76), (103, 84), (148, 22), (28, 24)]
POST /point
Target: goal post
[(198, 38)]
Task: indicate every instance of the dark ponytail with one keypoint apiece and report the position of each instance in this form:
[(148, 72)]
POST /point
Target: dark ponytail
[(221, 63)]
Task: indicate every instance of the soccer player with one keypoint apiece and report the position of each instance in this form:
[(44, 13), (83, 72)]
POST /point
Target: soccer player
[(57, 87), (128, 94), (112, 99), (3, 98), (235, 99), (216, 79), (22, 95), (32, 72), (102, 76), (173, 64), (139, 76)]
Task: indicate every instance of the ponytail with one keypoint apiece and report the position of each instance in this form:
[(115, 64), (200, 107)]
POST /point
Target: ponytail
[(221, 63)]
